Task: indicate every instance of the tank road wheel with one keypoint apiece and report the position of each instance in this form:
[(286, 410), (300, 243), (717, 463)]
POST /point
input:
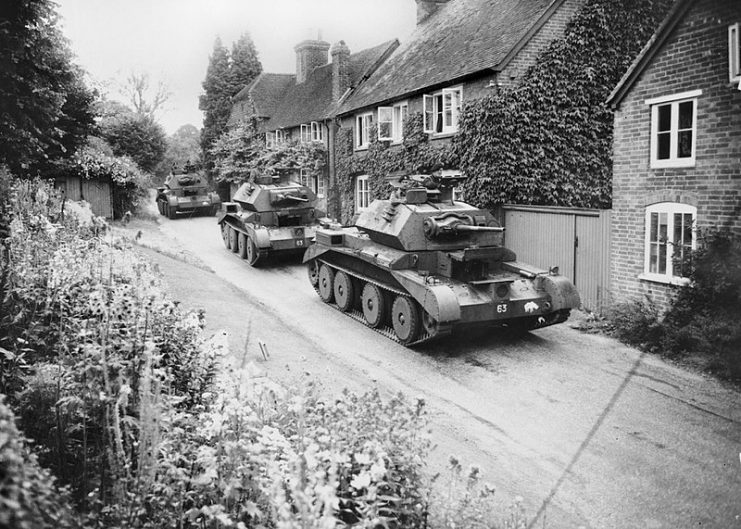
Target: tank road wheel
[(242, 245), (373, 300), (225, 234), (344, 291), (429, 324), (251, 253), (326, 283), (405, 319), (233, 239), (312, 268)]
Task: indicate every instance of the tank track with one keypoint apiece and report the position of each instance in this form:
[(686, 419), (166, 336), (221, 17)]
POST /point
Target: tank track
[(357, 314)]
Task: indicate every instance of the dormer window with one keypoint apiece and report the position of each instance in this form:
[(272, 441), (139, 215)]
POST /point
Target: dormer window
[(442, 110), (275, 138), (734, 53), (316, 131), (305, 133)]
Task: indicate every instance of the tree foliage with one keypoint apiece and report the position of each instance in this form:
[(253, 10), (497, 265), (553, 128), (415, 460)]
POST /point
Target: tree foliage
[(134, 135), (145, 100), (183, 148), (239, 154), (549, 140), (226, 75), (45, 108)]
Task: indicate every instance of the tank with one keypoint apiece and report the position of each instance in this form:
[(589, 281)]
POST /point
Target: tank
[(270, 214), (419, 265), (186, 193)]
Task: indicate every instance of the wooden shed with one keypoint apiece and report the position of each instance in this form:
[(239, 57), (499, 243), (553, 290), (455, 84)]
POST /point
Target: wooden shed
[(98, 193)]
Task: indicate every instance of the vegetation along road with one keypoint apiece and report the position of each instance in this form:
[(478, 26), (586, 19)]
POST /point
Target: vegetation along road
[(589, 432)]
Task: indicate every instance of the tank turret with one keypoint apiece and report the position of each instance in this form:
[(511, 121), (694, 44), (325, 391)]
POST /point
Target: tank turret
[(269, 214), (186, 192), (421, 263)]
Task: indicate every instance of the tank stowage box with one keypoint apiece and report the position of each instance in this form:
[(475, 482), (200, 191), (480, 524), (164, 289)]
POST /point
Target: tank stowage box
[(268, 215), (186, 193), (420, 264)]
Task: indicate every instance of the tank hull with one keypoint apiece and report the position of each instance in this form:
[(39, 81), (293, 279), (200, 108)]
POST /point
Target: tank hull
[(512, 294)]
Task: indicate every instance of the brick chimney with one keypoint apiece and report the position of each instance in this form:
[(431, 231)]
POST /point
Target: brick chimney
[(309, 55), (425, 8), (340, 69)]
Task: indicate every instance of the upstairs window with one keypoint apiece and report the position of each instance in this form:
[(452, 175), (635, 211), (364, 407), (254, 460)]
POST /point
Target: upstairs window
[(391, 122), (363, 125), (734, 53), (305, 133), (442, 110), (317, 133), (275, 138), (674, 130), (670, 236), (362, 193)]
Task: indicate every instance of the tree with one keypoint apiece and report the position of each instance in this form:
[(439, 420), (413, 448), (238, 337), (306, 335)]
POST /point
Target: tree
[(45, 108), (245, 64), (226, 75), (182, 147), (134, 135), (145, 101)]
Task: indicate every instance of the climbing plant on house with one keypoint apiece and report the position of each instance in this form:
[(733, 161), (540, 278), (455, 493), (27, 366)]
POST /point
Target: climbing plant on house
[(415, 155), (241, 152), (548, 141)]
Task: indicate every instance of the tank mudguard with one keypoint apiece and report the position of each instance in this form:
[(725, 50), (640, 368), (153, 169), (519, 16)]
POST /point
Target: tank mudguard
[(562, 291), (261, 237), (437, 300), (314, 251)]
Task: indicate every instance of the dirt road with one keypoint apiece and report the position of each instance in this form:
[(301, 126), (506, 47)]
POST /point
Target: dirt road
[(591, 433)]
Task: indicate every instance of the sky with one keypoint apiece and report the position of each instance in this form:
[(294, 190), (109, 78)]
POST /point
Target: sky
[(171, 40)]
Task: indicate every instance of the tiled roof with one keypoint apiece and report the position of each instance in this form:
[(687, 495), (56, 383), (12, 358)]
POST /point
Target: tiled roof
[(283, 103), (463, 37)]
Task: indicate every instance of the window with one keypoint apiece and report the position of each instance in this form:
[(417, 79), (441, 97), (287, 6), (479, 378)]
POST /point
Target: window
[(305, 133), (275, 137), (315, 183), (670, 236), (441, 110), (362, 193), (363, 125), (674, 130), (734, 53), (391, 122), (316, 131)]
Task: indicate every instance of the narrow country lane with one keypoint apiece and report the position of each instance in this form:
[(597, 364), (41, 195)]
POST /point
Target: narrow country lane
[(590, 432)]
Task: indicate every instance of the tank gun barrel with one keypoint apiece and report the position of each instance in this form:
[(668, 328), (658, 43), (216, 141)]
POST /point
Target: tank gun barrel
[(453, 224), (284, 196)]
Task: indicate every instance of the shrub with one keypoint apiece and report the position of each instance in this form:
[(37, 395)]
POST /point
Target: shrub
[(637, 323), (29, 498)]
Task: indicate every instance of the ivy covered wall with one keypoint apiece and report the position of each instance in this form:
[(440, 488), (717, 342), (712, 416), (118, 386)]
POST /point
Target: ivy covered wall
[(548, 141)]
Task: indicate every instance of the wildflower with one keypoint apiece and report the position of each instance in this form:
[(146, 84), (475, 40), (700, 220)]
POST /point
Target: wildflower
[(361, 481), (362, 459)]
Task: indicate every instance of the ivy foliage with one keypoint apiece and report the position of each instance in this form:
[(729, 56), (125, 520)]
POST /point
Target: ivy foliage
[(548, 141), (240, 153), (415, 155)]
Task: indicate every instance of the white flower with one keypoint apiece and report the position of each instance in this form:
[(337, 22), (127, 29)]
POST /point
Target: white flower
[(361, 481), (362, 458)]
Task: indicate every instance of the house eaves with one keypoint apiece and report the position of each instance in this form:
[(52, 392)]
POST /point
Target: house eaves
[(649, 51)]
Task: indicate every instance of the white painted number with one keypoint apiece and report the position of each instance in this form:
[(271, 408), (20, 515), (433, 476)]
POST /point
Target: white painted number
[(502, 308), (299, 243)]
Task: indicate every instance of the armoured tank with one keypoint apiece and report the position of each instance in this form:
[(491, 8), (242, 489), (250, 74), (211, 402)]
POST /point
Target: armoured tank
[(270, 214), (421, 264), (186, 193)]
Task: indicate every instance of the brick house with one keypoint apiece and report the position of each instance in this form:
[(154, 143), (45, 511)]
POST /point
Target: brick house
[(300, 107), (460, 50), (677, 147)]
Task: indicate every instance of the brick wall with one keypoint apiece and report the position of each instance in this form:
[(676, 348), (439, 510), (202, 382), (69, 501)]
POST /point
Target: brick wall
[(694, 57)]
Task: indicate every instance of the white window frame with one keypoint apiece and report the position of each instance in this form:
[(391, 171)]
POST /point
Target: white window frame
[(391, 122), (362, 193), (315, 183), (669, 209), (305, 133), (363, 124), (673, 101), (734, 53), (317, 133), (441, 110)]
